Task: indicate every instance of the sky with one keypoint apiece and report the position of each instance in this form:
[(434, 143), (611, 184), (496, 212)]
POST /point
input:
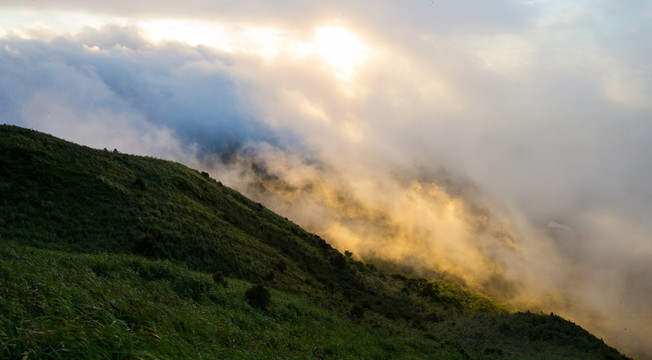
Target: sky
[(505, 144)]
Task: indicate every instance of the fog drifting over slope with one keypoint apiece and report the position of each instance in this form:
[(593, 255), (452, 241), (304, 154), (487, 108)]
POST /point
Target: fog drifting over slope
[(504, 145)]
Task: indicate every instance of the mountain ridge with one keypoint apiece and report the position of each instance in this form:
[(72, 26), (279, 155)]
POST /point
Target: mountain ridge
[(65, 200)]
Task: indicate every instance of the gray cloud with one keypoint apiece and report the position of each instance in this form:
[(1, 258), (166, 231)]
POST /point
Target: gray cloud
[(469, 131), (173, 86)]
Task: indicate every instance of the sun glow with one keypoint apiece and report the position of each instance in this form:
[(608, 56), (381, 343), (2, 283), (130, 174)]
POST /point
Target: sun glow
[(341, 50)]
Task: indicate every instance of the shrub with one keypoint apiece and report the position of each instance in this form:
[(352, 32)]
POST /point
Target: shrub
[(281, 265), (140, 184), (269, 277), (218, 278), (339, 261), (356, 313), (188, 285), (258, 296), (151, 271)]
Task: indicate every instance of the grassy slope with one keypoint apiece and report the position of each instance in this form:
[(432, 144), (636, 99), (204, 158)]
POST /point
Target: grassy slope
[(120, 306), (59, 196)]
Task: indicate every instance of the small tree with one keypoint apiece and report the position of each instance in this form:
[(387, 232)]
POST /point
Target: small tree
[(140, 184), (258, 296)]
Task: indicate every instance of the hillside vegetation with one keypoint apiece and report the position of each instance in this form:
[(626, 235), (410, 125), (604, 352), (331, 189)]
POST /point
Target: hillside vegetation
[(108, 255)]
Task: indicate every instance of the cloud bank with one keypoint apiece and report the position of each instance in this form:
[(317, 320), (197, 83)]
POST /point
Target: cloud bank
[(506, 145)]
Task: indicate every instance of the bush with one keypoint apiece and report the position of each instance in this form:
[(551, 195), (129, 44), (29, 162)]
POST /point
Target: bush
[(269, 278), (218, 278), (339, 261), (151, 271), (140, 184), (281, 265), (259, 297), (356, 313), (191, 286)]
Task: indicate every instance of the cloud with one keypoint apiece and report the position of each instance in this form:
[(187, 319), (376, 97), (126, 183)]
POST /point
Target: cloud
[(505, 145), (115, 72), (473, 15)]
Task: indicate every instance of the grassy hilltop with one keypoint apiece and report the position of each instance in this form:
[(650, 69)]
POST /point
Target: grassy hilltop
[(108, 255)]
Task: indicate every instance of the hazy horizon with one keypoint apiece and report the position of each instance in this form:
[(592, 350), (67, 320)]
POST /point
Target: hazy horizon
[(505, 144)]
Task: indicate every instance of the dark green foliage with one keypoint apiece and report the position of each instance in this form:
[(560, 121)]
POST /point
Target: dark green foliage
[(281, 266), (154, 271), (356, 312), (140, 184), (153, 231), (259, 297), (269, 278), (189, 285), (219, 279)]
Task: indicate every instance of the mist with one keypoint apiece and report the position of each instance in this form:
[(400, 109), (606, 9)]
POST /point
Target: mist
[(506, 147)]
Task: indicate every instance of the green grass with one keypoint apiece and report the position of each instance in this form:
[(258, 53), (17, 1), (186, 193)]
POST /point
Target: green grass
[(107, 255), (63, 305)]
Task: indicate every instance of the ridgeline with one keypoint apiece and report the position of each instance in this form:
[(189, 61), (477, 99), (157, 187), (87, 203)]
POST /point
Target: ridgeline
[(108, 255)]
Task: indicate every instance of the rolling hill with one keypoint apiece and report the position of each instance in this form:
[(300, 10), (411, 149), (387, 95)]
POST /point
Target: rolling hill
[(109, 255)]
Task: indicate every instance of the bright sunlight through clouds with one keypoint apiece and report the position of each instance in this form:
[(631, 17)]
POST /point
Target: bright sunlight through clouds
[(339, 48)]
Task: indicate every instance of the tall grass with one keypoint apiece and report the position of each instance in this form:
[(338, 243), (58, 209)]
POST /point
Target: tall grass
[(60, 305)]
